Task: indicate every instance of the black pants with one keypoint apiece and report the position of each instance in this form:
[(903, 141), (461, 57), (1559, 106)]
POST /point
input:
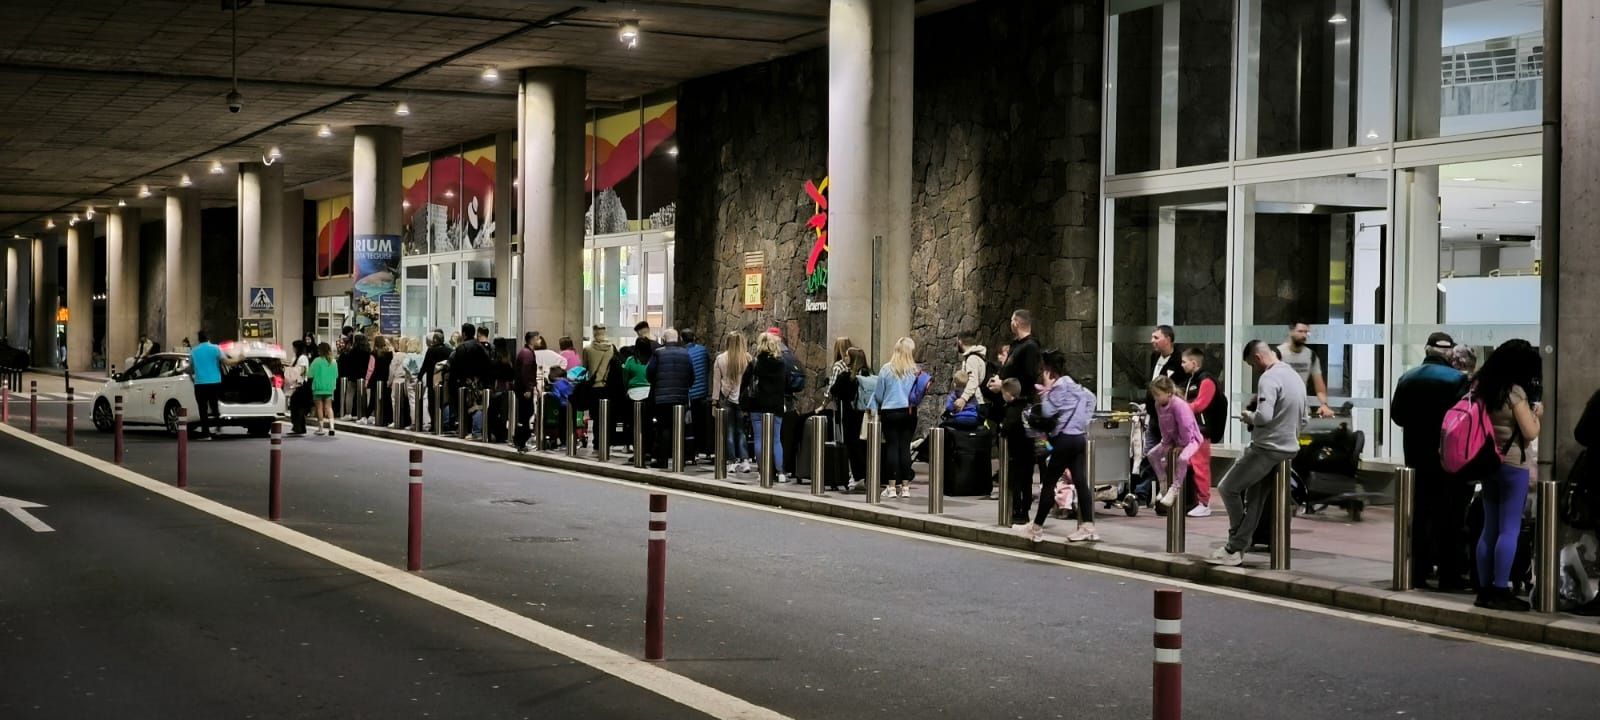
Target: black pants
[(1020, 462), (206, 397), (525, 406), (854, 445), (898, 428), (299, 405), (1066, 453), (1438, 527), (663, 436), (699, 429)]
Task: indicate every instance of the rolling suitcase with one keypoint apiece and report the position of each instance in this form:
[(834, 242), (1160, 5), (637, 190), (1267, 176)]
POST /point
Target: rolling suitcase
[(967, 456)]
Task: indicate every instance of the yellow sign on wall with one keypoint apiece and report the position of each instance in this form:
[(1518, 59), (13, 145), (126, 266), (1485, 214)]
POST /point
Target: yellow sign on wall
[(753, 278), (63, 315)]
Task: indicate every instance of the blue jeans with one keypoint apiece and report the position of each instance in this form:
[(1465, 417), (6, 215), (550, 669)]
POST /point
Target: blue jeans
[(734, 430), (1504, 494), (777, 439)]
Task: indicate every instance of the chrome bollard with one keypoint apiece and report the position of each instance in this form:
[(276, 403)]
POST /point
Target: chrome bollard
[(343, 391), (361, 398), (397, 394), (483, 407), (719, 454), (1085, 503), (1405, 498), (1175, 513), (570, 428), (434, 394), (677, 439), (419, 404), (538, 419), (463, 421), (767, 460), (1546, 555), (511, 417), (874, 459), (638, 433), (817, 439), (1005, 484), (383, 403), (936, 471), (1281, 503), (602, 430)]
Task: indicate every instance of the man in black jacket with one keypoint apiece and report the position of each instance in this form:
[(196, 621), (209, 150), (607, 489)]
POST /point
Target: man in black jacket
[(670, 373), (437, 353), (1023, 357), (469, 364), (1438, 526)]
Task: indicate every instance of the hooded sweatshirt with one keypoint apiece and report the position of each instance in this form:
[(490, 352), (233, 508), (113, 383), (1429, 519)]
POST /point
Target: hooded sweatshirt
[(597, 360), (972, 361)]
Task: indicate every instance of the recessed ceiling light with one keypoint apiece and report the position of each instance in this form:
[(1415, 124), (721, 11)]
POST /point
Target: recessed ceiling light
[(1516, 164), (491, 74), (274, 154), (449, 193), (1372, 134), (49, 223), (1444, 227), (216, 167), (122, 203), (324, 131), (89, 213), (629, 35), (402, 109), (673, 151), (72, 221), (144, 191), (184, 181), (1338, 19), (1465, 179)]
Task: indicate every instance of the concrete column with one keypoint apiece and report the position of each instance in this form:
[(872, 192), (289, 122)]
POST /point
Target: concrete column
[(550, 115), (183, 267), (122, 285), (17, 277), (1570, 261), (869, 165), (80, 295), (375, 181), (46, 290), (260, 236), (292, 294), (504, 194)]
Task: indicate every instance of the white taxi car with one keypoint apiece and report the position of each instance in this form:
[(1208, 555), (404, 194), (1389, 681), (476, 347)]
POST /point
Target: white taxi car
[(154, 388)]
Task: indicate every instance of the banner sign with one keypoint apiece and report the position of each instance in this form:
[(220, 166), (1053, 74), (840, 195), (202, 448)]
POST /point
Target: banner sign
[(377, 294)]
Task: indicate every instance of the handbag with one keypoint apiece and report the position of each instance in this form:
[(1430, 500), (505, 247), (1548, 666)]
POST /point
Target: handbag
[(1066, 492)]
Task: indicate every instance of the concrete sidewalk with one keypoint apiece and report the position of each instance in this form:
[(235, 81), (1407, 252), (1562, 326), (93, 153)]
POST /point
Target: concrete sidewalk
[(1335, 562)]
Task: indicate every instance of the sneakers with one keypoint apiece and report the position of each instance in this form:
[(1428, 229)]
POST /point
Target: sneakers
[(1200, 511), (322, 431), (1499, 598), (905, 491), (890, 492), (994, 492), (1084, 533), (1222, 556), (743, 467), (1169, 497), (780, 479), (1032, 532)]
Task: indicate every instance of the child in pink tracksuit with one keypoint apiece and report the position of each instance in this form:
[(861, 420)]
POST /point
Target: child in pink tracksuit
[(1178, 430)]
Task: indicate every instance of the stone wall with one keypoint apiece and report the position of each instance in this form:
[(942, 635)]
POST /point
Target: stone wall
[(1005, 181)]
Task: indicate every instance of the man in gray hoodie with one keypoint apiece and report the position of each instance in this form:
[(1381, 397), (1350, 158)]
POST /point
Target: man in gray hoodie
[(1275, 417)]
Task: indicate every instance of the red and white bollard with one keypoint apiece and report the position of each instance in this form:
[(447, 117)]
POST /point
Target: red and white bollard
[(655, 602), (1167, 682), (33, 406), (116, 430), (414, 525), (71, 414), (183, 447), (275, 474)]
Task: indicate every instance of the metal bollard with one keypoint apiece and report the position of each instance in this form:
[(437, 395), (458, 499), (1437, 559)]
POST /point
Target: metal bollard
[(1004, 492), (677, 438), (512, 426), (1085, 503), (383, 402), (1547, 571), (397, 408), (72, 413), (419, 405), (361, 398), (638, 433), (655, 599), (5, 400), (183, 447), (275, 474), (538, 419), (602, 430), (1167, 674), (116, 430), (1281, 502), (414, 514), (768, 472), (343, 395), (1175, 514), (719, 453), (570, 427), (438, 407), (487, 398), (817, 437), (1405, 497), (936, 471), (33, 406), (463, 422), (874, 459)]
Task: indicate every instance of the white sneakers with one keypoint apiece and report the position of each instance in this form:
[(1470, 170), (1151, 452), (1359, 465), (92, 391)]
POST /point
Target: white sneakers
[(1200, 511), (1169, 497), (1084, 533), (1032, 532), (1221, 556), (780, 479)]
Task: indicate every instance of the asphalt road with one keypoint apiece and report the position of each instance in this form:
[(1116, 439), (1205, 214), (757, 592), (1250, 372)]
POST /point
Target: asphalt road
[(819, 619)]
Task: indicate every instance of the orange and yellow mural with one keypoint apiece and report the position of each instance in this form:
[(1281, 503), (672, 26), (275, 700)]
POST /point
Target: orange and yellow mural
[(333, 237)]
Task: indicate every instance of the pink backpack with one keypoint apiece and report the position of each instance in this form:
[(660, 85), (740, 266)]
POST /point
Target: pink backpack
[(1466, 438)]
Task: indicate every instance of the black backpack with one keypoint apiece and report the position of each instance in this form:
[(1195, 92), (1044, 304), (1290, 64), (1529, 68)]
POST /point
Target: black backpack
[(1580, 501), (1214, 419)]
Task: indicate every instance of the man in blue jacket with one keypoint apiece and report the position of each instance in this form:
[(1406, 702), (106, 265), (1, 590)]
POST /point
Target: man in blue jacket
[(1438, 525), (699, 397), (671, 374)]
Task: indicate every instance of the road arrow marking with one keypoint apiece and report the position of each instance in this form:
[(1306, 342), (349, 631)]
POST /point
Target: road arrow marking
[(19, 510)]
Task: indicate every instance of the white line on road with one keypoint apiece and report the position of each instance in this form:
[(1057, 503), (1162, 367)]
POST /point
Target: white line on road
[(1380, 620), (654, 678), (19, 510)]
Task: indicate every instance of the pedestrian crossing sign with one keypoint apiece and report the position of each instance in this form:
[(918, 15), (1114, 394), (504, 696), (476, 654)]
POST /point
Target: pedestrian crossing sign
[(261, 300)]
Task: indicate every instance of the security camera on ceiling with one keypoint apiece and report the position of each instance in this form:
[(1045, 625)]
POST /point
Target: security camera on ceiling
[(235, 101)]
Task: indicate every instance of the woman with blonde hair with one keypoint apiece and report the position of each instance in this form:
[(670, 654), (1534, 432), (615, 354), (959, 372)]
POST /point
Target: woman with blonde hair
[(764, 386), (727, 372), (898, 415)]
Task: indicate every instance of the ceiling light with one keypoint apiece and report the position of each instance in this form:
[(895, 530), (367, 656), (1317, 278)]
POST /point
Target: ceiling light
[(144, 191), (629, 35), (1441, 287), (402, 109), (324, 131), (122, 203), (1372, 134), (273, 155), (1338, 19), (1524, 202), (1516, 164), (49, 224), (1465, 179), (72, 221), (673, 151), (89, 214), (449, 193), (216, 167), (184, 181), (491, 74)]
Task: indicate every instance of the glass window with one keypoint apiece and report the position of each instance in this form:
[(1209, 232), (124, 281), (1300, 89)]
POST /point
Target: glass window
[(414, 207), (1171, 76), (447, 227), (615, 183), (479, 310), (1473, 66), (478, 193), (659, 173), (415, 301)]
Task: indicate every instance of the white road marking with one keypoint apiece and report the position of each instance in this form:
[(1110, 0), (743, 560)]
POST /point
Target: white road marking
[(654, 678), (19, 510), (1380, 620)]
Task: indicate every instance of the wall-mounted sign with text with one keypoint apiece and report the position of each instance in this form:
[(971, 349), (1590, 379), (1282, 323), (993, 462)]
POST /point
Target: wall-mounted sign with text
[(753, 279), (483, 287)]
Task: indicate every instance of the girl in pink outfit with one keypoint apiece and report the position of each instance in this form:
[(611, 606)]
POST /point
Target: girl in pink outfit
[(1178, 430), (569, 355)]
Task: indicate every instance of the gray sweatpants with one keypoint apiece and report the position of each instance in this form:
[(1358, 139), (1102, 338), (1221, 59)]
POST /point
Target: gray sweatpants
[(1245, 495)]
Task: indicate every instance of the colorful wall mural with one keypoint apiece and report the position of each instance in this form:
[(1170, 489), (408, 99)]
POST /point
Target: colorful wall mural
[(333, 237), (449, 201), (630, 173)]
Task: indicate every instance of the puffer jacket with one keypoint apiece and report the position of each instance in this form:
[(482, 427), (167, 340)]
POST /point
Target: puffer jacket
[(671, 374), (700, 360), (767, 384)]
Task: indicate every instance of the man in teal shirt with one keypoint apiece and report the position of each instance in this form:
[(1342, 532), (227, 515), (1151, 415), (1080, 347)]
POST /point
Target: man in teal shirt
[(206, 362)]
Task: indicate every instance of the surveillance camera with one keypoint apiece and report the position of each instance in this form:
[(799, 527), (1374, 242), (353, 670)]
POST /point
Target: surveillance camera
[(235, 101)]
